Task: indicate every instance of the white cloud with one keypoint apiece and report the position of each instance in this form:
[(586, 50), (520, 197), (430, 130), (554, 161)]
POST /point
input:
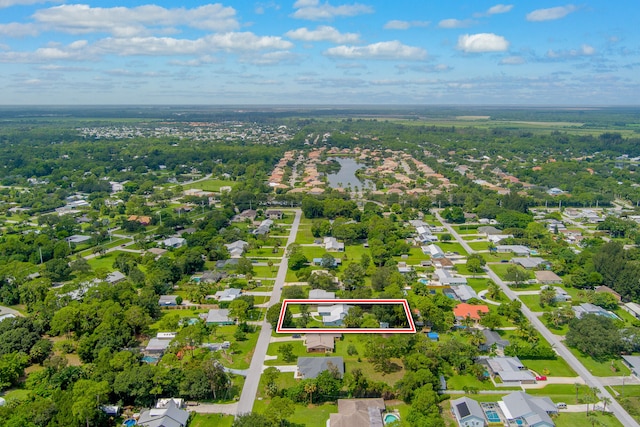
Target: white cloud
[(456, 23), (126, 22), (314, 11), (228, 42), (551, 13), (482, 42), (383, 50), (15, 29), (499, 8), (404, 25), (585, 50), (270, 58), (512, 60), (323, 33)]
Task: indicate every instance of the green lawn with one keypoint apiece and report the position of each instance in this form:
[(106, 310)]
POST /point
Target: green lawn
[(556, 368), (479, 246), (562, 392), (457, 382), (209, 185), (576, 419), (533, 302), (308, 416), (601, 369), (207, 420), (452, 247), (304, 235), (298, 351)]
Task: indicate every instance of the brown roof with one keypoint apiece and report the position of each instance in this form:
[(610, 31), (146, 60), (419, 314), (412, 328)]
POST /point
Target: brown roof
[(547, 276), (324, 341), (358, 413), (609, 291)]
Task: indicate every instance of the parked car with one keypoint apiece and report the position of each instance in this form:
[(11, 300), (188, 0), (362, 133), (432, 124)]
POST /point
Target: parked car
[(541, 378), (561, 405)]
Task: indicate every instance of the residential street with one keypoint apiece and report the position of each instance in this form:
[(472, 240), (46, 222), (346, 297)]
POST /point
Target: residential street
[(250, 388), (591, 380)]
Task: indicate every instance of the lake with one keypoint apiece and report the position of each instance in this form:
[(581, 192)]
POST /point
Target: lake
[(346, 176)]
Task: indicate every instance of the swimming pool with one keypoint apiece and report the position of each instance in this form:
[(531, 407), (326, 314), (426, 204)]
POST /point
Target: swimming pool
[(492, 416), (129, 423), (390, 418), (150, 359)]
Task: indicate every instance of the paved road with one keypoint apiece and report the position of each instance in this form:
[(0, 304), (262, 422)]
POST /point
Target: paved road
[(591, 380), (250, 389), (6, 310)]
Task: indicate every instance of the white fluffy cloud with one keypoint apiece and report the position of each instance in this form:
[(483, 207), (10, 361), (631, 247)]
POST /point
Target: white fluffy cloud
[(404, 25), (456, 23), (16, 29), (323, 33), (9, 3), (384, 50), (314, 11), (494, 10), (482, 42), (126, 22), (551, 13), (228, 42)]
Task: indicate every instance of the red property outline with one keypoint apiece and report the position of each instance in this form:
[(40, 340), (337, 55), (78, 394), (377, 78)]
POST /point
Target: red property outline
[(410, 330)]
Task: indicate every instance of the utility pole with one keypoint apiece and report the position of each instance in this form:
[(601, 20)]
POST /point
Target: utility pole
[(40, 250)]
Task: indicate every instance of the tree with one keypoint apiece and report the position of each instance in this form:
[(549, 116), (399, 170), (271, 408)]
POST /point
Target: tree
[(310, 387), (453, 214), (244, 266), (491, 320), (297, 261), (328, 261), (474, 266), (516, 274), (12, 368), (280, 409), (547, 296), (353, 276), (270, 376), (286, 351), (252, 419), (239, 309), (597, 336), (493, 290), (273, 315), (88, 395), (219, 380)]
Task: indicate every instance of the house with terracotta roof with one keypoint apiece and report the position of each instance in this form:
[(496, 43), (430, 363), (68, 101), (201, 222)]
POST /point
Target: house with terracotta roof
[(464, 310)]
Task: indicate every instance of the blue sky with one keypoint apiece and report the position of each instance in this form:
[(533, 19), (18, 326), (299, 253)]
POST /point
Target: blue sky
[(320, 52)]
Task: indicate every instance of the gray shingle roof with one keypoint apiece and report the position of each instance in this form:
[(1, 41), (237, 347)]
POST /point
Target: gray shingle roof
[(311, 367)]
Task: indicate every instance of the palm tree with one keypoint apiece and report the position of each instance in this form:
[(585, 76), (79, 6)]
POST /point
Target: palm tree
[(577, 386), (309, 389), (605, 401)]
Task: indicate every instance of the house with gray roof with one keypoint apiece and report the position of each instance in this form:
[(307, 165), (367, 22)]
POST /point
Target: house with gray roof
[(174, 242), (447, 279), (321, 294), (115, 277), (169, 416), (219, 316), (228, 294), (237, 248), (333, 315), (514, 249), (529, 263), (633, 362), (311, 367), (331, 244), (168, 300), (468, 412), (588, 308), (523, 409), (464, 292), (493, 338), (157, 345), (510, 370)]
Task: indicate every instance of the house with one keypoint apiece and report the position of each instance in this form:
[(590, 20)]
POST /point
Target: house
[(158, 252), (115, 277), (489, 230), (164, 402), (464, 310), (331, 244), (518, 250), (321, 294), (521, 408), (335, 263), (109, 410), (491, 339), (168, 300), (561, 294), (212, 276), (588, 308), (174, 242), (529, 263), (510, 370), (76, 238), (237, 248), (464, 292), (249, 214), (311, 367), (547, 277), (555, 191), (434, 251), (320, 343), (144, 220), (403, 268), (169, 416), (609, 291), (358, 413), (227, 295), (157, 346), (446, 278), (333, 315), (274, 214), (633, 309), (468, 412), (633, 363), (263, 228), (219, 316)]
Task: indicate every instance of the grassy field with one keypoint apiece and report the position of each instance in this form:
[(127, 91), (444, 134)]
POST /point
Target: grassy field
[(601, 369), (304, 415), (575, 419), (207, 420), (556, 368), (209, 184)]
